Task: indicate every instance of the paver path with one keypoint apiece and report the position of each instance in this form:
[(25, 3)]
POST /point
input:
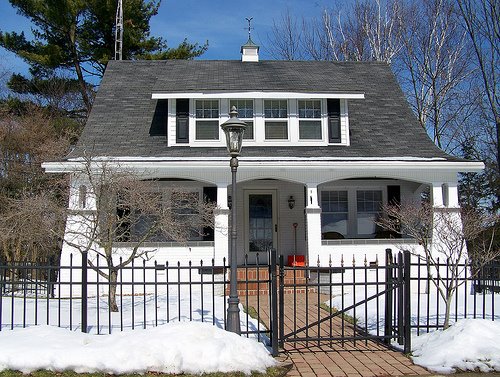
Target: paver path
[(337, 359)]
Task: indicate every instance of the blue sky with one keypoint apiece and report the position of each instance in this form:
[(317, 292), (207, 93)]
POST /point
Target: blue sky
[(221, 22)]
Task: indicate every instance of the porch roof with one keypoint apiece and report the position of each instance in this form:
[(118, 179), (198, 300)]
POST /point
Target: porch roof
[(381, 125)]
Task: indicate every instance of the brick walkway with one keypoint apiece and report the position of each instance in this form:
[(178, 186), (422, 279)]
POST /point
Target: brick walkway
[(337, 359)]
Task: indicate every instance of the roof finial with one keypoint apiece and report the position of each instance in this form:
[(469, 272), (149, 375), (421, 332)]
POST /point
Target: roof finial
[(249, 25)]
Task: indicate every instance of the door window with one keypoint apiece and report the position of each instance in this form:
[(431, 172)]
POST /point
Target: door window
[(260, 208)]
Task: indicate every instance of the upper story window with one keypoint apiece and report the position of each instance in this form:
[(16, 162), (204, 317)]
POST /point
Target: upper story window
[(276, 119), (245, 113), (195, 122), (207, 119), (310, 120)]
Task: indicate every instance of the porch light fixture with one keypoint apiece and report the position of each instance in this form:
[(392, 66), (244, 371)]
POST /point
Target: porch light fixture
[(291, 202), (234, 129)]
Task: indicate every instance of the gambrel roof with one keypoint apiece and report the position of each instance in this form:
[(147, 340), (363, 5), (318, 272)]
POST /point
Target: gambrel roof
[(381, 125)]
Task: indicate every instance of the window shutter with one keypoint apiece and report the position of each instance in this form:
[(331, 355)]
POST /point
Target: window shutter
[(334, 120), (210, 195), (182, 121)]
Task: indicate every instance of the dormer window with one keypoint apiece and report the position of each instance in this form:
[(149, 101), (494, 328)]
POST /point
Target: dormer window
[(245, 113), (207, 119), (310, 120), (272, 118), (276, 119)]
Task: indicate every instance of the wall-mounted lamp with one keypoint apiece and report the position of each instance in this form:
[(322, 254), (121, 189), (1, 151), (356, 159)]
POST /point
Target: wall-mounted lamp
[(291, 202)]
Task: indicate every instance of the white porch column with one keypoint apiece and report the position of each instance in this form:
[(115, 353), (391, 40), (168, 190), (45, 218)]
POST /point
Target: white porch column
[(221, 225), (445, 195), (446, 215), (313, 219)]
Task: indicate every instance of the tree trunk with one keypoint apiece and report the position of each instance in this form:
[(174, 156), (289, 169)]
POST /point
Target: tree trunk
[(113, 275), (449, 298)]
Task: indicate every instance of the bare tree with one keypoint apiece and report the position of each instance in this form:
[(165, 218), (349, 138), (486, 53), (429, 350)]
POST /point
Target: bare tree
[(286, 38), (367, 30), (482, 25), (382, 28), (30, 201), (443, 236), (117, 205), (434, 63), (29, 227)]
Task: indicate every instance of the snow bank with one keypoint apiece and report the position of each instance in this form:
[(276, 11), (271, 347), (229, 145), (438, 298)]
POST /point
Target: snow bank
[(469, 344), (183, 347)]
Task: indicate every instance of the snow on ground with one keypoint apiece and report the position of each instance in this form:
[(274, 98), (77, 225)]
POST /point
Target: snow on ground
[(171, 343), (181, 347), (469, 344)]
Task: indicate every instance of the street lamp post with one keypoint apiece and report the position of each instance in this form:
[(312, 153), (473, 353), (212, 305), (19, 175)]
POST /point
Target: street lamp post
[(234, 129)]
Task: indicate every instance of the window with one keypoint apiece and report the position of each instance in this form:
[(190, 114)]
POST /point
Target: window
[(276, 119), (156, 222), (245, 113), (351, 213), (185, 213), (310, 120), (335, 214), (369, 203), (207, 119)]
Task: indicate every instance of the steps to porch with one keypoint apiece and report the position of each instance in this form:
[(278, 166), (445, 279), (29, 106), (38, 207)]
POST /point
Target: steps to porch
[(253, 281)]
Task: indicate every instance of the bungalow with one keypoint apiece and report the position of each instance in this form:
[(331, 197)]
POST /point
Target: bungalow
[(327, 144)]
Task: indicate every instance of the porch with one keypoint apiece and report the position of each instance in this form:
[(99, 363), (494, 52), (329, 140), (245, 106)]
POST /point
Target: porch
[(312, 211)]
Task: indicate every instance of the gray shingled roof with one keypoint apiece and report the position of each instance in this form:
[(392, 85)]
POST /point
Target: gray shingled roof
[(381, 125)]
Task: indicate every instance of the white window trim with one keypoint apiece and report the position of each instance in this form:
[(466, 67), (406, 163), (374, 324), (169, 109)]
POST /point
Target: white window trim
[(322, 119), (259, 122), (253, 95), (277, 120), (165, 189), (193, 141), (245, 119), (352, 204)]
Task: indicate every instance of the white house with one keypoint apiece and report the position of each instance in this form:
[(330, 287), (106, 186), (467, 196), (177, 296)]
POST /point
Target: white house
[(327, 143)]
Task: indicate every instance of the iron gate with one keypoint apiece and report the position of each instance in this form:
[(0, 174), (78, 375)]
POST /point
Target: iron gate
[(314, 306)]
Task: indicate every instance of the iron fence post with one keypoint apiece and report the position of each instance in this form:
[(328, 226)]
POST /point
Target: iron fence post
[(400, 319), (84, 290), (274, 303), (407, 302), (281, 303), (388, 296)]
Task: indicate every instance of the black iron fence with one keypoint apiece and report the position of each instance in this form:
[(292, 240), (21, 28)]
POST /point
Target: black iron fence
[(143, 295), (476, 293), (344, 302), (353, 302)]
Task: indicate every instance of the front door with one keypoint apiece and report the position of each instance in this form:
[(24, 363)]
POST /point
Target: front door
[(261, 223)]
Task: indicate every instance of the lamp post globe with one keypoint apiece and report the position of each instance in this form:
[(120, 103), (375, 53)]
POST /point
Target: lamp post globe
[(233, 129)]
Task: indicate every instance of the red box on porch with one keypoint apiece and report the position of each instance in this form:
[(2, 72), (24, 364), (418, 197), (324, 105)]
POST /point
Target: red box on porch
[(297, 260)]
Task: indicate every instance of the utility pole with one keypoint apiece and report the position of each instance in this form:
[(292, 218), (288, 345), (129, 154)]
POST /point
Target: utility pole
[(119, 31)]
